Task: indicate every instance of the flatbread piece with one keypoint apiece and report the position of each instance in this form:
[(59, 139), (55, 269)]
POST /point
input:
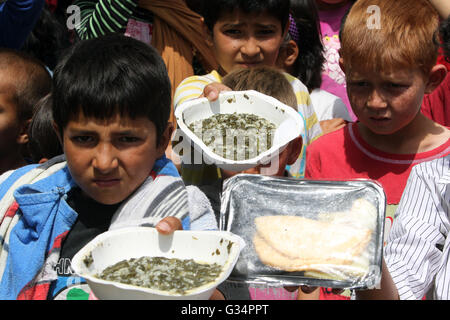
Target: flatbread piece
[(294, 243)]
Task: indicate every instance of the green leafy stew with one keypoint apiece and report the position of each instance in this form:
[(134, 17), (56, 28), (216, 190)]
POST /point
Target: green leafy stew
[(235, 136), (173, 275)]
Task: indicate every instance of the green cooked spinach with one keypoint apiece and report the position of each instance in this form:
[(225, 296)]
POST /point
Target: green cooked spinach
[(167, 274), (235, 136)]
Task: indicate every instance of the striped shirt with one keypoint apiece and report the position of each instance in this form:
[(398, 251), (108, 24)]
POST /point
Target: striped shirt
[(418, 248), (100, 17), (192, 88)]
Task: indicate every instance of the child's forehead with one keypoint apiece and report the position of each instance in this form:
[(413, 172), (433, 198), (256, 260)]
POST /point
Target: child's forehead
[(9, 74), (238, 16), (117, 120), (8, 84), (388, 73)]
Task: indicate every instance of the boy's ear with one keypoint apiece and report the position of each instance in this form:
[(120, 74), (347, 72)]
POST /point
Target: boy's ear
[(435, 77), (165, 139), (295, 149), (23, 137), (207, 33), (289, 54)]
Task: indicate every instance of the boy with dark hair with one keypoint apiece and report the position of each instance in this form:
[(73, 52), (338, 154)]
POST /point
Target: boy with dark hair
[(23, 81), (386, 81), (111, 106), (243, 34)]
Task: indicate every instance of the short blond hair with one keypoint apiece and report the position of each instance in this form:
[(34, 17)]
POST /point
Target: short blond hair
[(267, 80), (405, 36)]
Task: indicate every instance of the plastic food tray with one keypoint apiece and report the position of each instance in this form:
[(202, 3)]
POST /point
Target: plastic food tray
[(354, 205)]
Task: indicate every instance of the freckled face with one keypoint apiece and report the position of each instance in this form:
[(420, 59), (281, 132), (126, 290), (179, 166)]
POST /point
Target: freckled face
[(247, 40), (110, 160), (387, 102)]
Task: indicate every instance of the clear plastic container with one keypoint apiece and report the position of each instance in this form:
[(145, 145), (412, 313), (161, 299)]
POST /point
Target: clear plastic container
[(303, 232)]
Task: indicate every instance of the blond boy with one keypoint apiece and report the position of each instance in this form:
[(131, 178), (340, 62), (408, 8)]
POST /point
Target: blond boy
[(389, 67)]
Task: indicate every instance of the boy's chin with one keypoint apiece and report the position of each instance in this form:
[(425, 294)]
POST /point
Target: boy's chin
[(107, 199), (108, 202)]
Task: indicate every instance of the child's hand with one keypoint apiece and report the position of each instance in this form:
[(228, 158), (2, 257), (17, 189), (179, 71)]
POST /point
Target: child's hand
[(168, 225), (211, 91), (217, 295), (332, 125)]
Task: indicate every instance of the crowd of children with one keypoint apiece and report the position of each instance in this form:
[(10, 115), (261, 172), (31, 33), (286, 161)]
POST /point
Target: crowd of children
[(86, 130)]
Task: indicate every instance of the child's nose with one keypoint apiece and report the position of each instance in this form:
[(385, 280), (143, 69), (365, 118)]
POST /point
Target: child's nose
[(105, 159), (251, 47), (376, 100)]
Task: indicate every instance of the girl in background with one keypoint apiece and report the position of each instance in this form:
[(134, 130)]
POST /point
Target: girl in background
[(331, 13), (302, 55)]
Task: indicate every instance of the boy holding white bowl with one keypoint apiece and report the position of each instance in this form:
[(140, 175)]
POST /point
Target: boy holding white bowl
[(111, 106)]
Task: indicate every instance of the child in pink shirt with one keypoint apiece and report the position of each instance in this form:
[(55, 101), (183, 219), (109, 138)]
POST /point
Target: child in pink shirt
[(331, 13)]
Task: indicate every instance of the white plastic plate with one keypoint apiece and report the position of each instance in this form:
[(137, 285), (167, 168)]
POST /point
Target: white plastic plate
[(122, 244), (289, 123)]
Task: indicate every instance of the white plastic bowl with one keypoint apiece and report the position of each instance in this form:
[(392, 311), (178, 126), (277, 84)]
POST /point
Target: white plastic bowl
[(113, 246), (289, 122)]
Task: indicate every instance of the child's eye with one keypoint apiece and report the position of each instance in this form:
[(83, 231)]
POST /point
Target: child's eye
[(359, 84), (129, 139), (265, 32), (395, 85), (82, 139), (232, 32)]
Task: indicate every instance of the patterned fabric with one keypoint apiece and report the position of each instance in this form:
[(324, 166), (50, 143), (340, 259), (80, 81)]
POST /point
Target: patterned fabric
[(418, 247), (293, 31), (99, 17)]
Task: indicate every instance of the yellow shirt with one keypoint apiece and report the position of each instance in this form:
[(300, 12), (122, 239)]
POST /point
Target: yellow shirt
[(192, 87)]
